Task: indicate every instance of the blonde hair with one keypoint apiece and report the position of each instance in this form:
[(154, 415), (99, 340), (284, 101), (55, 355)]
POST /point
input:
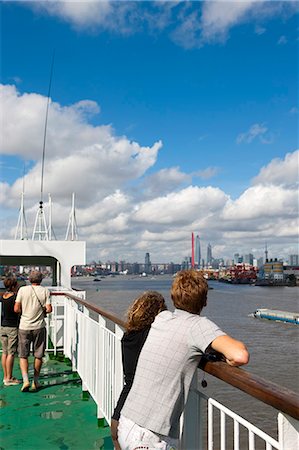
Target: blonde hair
[(143, 310), (189, 291)]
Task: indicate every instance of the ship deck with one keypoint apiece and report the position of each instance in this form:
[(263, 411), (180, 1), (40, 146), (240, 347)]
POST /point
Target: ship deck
[(58, 416)]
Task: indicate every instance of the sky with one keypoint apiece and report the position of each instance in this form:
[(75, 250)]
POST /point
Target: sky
[(165, 118)]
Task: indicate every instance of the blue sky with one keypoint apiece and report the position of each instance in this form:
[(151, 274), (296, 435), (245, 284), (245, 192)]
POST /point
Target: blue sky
[(190, 109)]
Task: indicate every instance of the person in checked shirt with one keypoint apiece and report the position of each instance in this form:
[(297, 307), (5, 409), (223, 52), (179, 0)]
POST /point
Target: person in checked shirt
[(170, 355)]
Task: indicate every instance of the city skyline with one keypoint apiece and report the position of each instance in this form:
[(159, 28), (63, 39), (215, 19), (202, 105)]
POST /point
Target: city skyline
[(163, 119), (237, 258)]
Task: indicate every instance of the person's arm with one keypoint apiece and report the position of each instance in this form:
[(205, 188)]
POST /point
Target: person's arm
[(17, 307), (235, 352), (114, 433), (48, 302), (48, 308)]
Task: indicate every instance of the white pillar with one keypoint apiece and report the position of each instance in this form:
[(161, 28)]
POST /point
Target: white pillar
[(194, 418), (288, 432)]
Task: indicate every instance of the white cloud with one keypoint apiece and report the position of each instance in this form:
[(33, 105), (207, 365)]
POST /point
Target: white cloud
[(260, 30), (180, 207), (207, 173), (282, 40), (189, 24), (257, 130), (122, 210), (280, 171), (73, 148), (218, 17), (79, 13), (262, 202), (165, 180)]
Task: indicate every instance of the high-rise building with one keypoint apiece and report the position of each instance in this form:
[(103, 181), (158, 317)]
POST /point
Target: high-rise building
[(147, 263), (197, 252), (294, 260), (187, 263), (236, 258), (248, 259), (209, 255)]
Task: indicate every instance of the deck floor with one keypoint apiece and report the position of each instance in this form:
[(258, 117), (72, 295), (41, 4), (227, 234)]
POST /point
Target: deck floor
[(55, 417)]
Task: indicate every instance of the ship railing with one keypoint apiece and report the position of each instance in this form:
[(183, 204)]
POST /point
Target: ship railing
[(91, 338)]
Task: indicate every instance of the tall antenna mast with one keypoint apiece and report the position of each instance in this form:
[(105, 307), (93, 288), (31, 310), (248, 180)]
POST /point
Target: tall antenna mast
[(266, 252), (21, 229), (40, 227), (50, 219), (192, 251), (72, 225)]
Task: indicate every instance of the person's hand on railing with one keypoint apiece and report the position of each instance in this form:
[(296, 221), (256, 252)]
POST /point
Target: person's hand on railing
[(114, 433)]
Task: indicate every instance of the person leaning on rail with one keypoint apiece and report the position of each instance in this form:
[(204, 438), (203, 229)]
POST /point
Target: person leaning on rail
[(140, 316), (9, 330), (166, 365), (33, 302)]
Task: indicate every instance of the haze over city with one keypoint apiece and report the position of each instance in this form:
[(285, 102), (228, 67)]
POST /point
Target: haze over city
[(165, 118)]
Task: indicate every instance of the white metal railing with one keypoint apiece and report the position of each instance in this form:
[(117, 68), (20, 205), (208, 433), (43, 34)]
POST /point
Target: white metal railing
[(95, 353), (93, 349), (253, 431)]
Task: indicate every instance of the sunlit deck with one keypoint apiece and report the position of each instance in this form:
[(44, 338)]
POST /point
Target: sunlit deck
[(58, 416)]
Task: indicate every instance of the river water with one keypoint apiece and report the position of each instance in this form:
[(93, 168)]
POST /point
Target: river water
[(273, 346)]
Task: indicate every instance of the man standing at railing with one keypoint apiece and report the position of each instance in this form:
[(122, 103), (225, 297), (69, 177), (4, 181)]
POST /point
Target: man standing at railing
[(167, 363), (33, 302)]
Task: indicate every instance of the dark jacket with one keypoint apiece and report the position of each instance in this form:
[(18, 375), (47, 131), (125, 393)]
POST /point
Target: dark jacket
[(131, 345)]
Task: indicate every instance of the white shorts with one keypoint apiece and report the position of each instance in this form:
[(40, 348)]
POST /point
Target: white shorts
[(133, 437)]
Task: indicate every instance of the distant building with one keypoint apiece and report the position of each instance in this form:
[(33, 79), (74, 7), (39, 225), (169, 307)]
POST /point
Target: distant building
[(147, 263), (197, 252), (248, 259), (260, 262), (294, 260), (273, 269), (209, 255), (236, 258), (187, 263), (173, 268)]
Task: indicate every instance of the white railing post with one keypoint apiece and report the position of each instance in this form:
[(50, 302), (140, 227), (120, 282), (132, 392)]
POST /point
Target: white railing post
[(118, 367), (288, 432), (100, 370), (193, 423), (84, 325)]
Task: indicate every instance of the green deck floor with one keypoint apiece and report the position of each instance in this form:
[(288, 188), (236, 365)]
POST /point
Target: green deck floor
[(55, 417)]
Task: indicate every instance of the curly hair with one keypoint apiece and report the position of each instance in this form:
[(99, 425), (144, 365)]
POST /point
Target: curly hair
[(189, 291), (11, 283), (143, 310)]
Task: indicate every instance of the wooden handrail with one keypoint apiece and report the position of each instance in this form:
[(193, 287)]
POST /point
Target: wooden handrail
[(107, 314), (270, 393)]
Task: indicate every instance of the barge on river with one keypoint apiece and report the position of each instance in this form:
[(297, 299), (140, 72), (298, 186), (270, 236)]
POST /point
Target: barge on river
[(278, 316)]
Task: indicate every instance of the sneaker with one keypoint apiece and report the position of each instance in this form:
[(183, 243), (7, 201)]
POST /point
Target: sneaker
[(35, 386), (12, 382), (26, 386)]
